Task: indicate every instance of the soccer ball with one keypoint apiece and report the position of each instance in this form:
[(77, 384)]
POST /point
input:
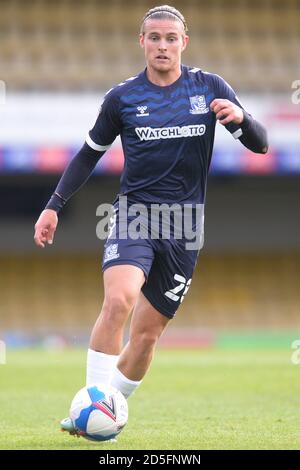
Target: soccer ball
[(99, 412)]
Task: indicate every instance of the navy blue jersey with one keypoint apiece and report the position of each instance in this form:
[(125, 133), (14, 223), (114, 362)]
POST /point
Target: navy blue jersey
[(167, 134)]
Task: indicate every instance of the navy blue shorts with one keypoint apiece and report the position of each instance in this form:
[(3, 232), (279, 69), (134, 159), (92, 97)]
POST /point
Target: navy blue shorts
[(167, 264)]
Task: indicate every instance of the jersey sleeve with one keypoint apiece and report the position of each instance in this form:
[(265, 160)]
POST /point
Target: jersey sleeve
[(250, 132), (107, 125), (224, 91)]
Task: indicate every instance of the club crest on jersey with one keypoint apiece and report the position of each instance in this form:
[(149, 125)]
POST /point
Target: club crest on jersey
[(198, 104), (142, 111)]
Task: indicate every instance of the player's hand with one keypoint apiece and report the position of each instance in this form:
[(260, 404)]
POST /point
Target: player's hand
[(45, 228), (226, 111)]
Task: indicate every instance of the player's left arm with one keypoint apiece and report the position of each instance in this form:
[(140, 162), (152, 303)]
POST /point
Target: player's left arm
[(230, 113)]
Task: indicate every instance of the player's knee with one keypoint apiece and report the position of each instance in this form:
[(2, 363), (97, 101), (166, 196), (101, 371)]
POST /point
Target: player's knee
[(113, 316), (117, 307)]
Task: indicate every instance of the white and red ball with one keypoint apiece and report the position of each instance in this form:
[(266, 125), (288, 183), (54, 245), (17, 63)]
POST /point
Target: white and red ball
[(99, 412)]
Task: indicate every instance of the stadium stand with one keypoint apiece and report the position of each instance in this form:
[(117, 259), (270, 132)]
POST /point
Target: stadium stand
[(67, 291), (73, 45)]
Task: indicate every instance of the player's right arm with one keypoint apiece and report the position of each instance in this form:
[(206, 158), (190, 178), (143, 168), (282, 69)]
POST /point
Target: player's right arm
[(74, 176), (99, 139)]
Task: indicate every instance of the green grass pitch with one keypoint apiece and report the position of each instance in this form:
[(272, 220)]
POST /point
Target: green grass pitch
[(190, 399)]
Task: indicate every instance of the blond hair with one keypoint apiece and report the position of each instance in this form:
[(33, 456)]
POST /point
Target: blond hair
[(164, 12)]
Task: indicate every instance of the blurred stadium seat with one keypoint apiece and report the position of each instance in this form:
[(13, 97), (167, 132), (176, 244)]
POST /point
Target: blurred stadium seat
[(68, 44), (228, 291), (72, 45)]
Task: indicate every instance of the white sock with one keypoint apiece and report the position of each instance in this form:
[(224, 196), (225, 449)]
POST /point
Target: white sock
[(100, 367), (126, 386)]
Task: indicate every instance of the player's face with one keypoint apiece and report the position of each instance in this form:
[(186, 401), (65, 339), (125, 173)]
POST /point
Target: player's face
[(163, 42)]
